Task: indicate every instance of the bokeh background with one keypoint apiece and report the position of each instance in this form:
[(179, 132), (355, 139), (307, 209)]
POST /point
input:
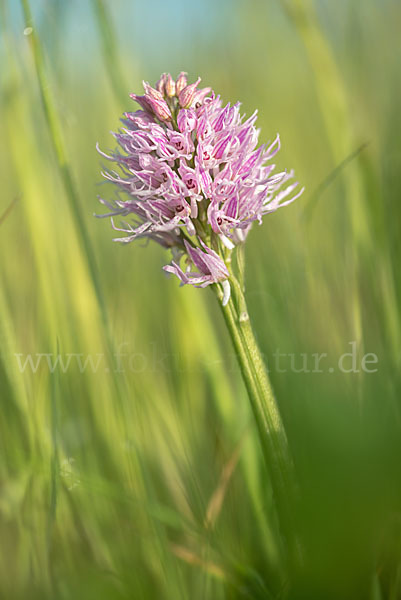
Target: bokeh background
[(140, 476)]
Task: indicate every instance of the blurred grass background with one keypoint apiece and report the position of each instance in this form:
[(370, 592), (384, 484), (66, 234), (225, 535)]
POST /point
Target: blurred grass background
[(143, 478)]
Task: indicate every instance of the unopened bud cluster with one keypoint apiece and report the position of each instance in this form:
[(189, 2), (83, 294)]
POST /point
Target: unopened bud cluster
[(169, 96)]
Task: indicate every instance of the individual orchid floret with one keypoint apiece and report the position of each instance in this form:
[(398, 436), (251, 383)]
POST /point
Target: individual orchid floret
[(181, 82), (142, 101), (160, 109), (160, 85), (211, 269), (170, 86), (152, 92), (186, 96), (190, 175), (157, 103)]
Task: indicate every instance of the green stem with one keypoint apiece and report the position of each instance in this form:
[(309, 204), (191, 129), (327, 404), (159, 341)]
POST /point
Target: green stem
[(109, 47), (271, 430), (56, 138)]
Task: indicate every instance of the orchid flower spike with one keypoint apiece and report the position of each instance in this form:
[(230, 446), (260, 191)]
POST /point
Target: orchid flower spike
[(193, 179)]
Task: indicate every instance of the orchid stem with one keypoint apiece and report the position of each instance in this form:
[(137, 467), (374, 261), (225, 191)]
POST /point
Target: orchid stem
[(272, 435)]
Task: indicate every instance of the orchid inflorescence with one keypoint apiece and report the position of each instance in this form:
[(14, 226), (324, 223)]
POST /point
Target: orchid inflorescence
[(193, 178)]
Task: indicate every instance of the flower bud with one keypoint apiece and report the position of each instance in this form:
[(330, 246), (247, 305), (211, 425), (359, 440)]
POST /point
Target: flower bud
[(142, 101), (160, 85), (170, 86), (186, 95), (181, 82), (159, 108), (151, 92)]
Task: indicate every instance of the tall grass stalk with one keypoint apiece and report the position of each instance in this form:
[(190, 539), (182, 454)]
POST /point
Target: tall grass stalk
[(56, 137), (79, 217), (334, 107), (109, 47)]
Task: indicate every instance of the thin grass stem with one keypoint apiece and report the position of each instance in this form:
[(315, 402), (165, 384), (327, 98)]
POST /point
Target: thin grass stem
[(56, 138), (109, 49)]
